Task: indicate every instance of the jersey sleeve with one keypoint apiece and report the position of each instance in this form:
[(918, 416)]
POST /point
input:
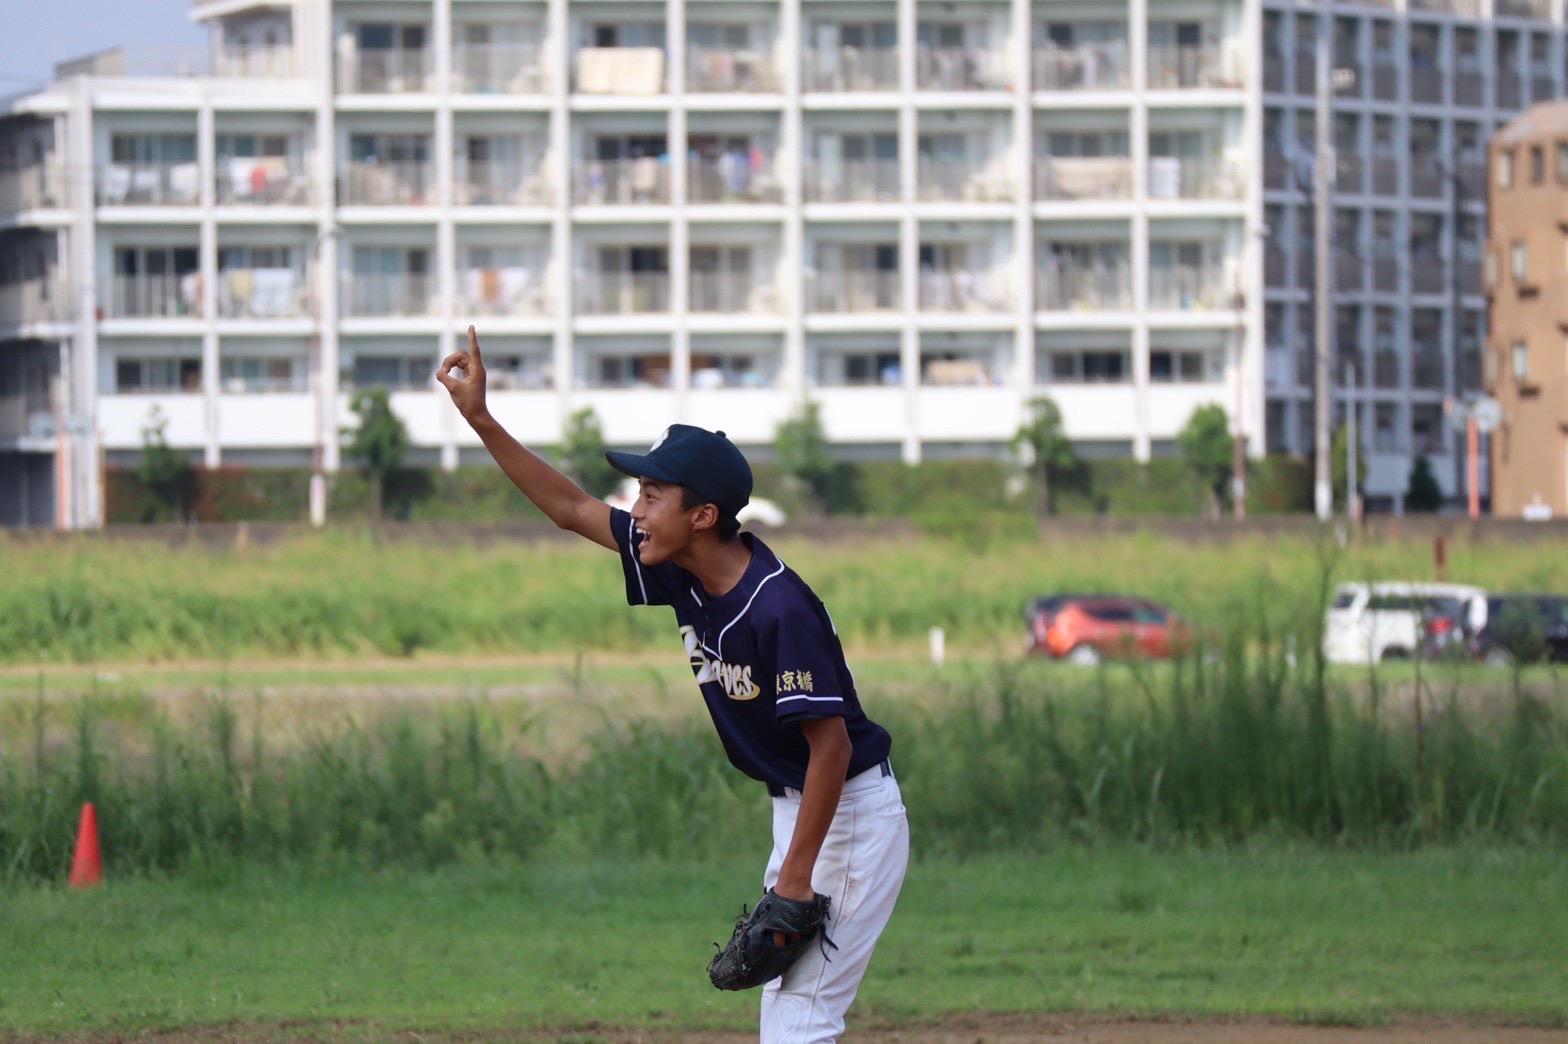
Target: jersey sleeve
[(645, 585), (805, 657)]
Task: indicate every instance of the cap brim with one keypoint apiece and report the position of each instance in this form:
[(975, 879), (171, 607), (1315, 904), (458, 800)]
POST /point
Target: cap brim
[(637, 466)]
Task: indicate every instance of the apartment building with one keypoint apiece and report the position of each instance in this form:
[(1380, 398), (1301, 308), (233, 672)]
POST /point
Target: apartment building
[(1525, 366), (919, 214), (1419, 88)]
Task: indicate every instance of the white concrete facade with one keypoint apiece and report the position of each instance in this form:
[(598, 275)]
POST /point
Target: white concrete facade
[(919, 214)]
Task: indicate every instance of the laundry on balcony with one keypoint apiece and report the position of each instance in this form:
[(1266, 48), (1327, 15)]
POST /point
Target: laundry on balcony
[(620, 70), (498, 290), (1164, 177), (956, 373), (257, 177), (1087, 177)]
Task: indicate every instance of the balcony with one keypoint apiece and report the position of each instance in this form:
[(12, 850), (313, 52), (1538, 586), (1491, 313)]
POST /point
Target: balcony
[(500, 183), (1385, 176), (960, 69), (731, 178), (388, 295), (1087, 288), (1084, 67), (402, 183), (497, 68), (1275, 266), (1428, 273), (960, 290), (1385, 82), (1510, 90), (1348, 274), (732, 293), (261, 181), (262, 293), (852, 181), (623, 293), (155, 296), (1184, 288), (1068, 178), (45, 300), (1183, 68), (1171, 177), (255, 63), (31, 187), (641, 181), (1537, 9), (844, 69), (1425, 180), (712, 70), (1350, 174), (863, 290), (963, 180), (619, 70), (1277, 171), (152, 185), (1468, 88), (391, 70), (516, 291), (1465, 8)]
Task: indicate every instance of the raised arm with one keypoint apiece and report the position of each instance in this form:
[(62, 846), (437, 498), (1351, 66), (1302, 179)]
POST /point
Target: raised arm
[(561, 499)]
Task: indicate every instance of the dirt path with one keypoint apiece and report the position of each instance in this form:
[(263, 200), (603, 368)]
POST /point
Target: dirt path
[(964, 1029)]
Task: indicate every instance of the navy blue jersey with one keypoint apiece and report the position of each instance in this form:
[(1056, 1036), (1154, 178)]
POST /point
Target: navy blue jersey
[(766, 656)]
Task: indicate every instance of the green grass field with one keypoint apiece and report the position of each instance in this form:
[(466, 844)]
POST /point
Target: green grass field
[(1289, 933)]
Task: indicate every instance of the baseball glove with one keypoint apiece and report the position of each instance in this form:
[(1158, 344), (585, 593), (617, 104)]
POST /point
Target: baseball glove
[(754, 954)]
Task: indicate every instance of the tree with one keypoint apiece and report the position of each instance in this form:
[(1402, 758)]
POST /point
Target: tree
[(1044, 448), (801, 447), (165, 472), (1339, 465), (1208, 448), (1424, 495), (583, 454), (380, 441)]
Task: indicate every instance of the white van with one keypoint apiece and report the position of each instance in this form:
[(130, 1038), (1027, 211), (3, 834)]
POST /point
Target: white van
[(1369, 623)]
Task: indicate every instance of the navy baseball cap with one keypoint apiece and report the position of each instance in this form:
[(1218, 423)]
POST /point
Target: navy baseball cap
[(703, 461)]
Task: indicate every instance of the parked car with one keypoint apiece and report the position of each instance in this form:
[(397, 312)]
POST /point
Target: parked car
[(1370, 623), (1501, 629), (1087, 628)]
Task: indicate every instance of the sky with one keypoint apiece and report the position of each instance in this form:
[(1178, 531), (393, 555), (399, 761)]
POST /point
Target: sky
[(54, 30)]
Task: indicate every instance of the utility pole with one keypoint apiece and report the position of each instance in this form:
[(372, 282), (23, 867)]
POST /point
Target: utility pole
[(1322, 171)]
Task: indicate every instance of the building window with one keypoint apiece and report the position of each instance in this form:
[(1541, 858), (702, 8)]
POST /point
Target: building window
[(1167, 367), (1490, 269), (1562, 162), (1537, 164), (1521, 362), (1505, 170), (1091, 367), (1519, 257)]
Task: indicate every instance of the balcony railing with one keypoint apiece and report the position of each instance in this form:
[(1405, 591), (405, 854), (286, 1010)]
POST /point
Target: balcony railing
[(960, 290), (1510, 90), (1468, 87), (1426, 85), (715, 70), (1091, 288), (852, 181), (967, 180), (625, 181), (1185, 67), (262, 293), (1187, 287), (410, 183), (1085, 67), (43, 300), (862, 290), (261, 181), (1541, 9), (732, 178), (961, 69), (392, 70), (157, 185), (388, 294), (851, 69), (732, 292), (1428, 273), (501, 183), (1467, 8), (1082, 177), (512, 291), (1276, 269), (255, 63), (623, 293), (36, 186), (1425, 181), (497, 69), (1350, 173), (1171, 177), (1385, 81), (1385, 176), (155, 296), (1277, 171)]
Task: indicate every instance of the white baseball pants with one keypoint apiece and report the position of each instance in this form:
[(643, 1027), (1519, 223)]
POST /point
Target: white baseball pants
[(861, 868)]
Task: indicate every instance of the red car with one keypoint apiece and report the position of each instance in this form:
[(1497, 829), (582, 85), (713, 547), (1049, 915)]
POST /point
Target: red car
[(1086, 629)]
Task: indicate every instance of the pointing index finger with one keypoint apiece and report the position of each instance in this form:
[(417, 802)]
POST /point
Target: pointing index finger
[(473, 345)]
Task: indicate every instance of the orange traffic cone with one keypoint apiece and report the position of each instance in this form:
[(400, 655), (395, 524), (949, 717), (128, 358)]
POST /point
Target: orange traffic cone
[(87, 867)]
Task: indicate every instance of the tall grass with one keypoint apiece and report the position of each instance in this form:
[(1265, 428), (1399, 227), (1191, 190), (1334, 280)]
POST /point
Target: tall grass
[(1247, 742), (345, 592)]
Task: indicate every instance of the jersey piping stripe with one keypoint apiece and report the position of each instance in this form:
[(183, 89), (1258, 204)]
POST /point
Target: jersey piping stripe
[(753, 598), (631, 538), (813, 699)]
